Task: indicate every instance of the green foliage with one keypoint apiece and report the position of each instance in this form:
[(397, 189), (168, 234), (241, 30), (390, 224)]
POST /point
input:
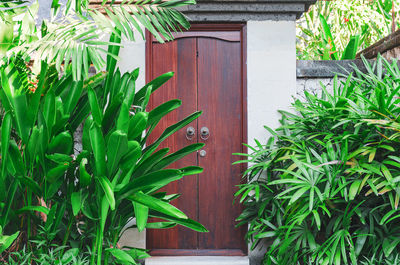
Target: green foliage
[(325, 188), (77, 36), (333, 30), (56, 198)]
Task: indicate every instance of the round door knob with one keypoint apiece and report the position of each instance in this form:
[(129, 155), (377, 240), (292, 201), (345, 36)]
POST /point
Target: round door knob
[(202, 153), (204, 133), (190, 131)]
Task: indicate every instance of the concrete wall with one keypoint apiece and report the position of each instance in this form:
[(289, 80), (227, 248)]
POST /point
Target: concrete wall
[(271, 73), (312, 75)]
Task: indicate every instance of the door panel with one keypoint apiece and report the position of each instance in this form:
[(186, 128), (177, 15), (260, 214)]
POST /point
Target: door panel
[(179, 57), (209, 78), (220, 98)]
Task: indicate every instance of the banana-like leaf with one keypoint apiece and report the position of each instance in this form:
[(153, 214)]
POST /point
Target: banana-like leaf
[(141, 214), (155, 179), (117, 147), (155, 84), (191, 170), (5, 143), (121, 255), (137, 125), (108, 191), (157, 205), (62, 143), (123, 119), (76, 201), (16, 158), (177, 155), (73, 96), (49, 110), (97, 114), (33, 144), (55, 173), (84, 176), (111, 112), (160, 111), (99, 151), (145, 165), (189, 223), (169, 131), (131, 157)]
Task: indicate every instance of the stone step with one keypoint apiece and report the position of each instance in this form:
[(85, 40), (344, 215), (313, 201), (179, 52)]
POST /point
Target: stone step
[(197, 260)]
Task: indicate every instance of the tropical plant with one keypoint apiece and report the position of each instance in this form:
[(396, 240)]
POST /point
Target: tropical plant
[(77, 37), (325, 188), (56, 197), (333, 30)]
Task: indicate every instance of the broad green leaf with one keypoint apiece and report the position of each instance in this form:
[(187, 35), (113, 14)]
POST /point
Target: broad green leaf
[(189, 223), (169, 131), (8, 240), (134, 152), (141, 214), (155, 84), (73, 96), (137, 125), (84, 176), (98, 147), (117, 147), (62, 144), (108, 191), (166, 161), (55, 173), (160, 225), (154, 179), (123, 119), (5, 143), (94, 106), (157, 205), (121, 255), (41, 209), (76, 202)]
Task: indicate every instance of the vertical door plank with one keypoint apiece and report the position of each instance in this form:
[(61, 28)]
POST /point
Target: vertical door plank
[(180, 57), (220, 96)]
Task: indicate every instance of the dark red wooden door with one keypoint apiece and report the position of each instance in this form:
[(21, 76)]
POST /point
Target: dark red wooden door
[(208, 76)]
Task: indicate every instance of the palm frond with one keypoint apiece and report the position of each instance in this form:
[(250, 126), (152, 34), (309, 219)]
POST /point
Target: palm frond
[(77, 39)]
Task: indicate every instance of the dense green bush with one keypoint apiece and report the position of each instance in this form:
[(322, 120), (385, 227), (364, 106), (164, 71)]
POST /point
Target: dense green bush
[(64, 205), (325, 189)]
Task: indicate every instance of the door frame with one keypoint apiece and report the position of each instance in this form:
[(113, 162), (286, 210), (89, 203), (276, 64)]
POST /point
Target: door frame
[(199, 30)]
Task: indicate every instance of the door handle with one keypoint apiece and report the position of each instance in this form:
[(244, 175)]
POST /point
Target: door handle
[(190, 131), (204, 133)]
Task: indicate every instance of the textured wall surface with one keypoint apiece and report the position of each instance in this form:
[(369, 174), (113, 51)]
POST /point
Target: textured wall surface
[(271, 81)]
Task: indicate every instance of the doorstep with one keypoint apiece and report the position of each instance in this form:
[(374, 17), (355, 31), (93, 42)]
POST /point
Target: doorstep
[(198, 260)]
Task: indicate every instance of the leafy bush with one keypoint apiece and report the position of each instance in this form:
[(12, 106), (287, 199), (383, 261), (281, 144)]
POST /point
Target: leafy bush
[(333, 30), (55, 197), (325, 188)]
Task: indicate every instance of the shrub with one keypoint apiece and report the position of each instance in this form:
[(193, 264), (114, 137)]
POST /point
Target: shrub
[(333, 30), (325, 188)]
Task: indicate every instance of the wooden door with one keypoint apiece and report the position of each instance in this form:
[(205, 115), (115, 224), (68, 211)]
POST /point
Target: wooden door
[(209, 76)]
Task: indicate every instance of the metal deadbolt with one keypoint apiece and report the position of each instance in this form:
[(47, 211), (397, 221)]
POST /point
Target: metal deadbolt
[(202, 153)]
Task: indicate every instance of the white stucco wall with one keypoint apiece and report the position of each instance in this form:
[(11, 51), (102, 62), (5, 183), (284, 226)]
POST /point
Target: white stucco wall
[(271, 74), (133, 55)]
